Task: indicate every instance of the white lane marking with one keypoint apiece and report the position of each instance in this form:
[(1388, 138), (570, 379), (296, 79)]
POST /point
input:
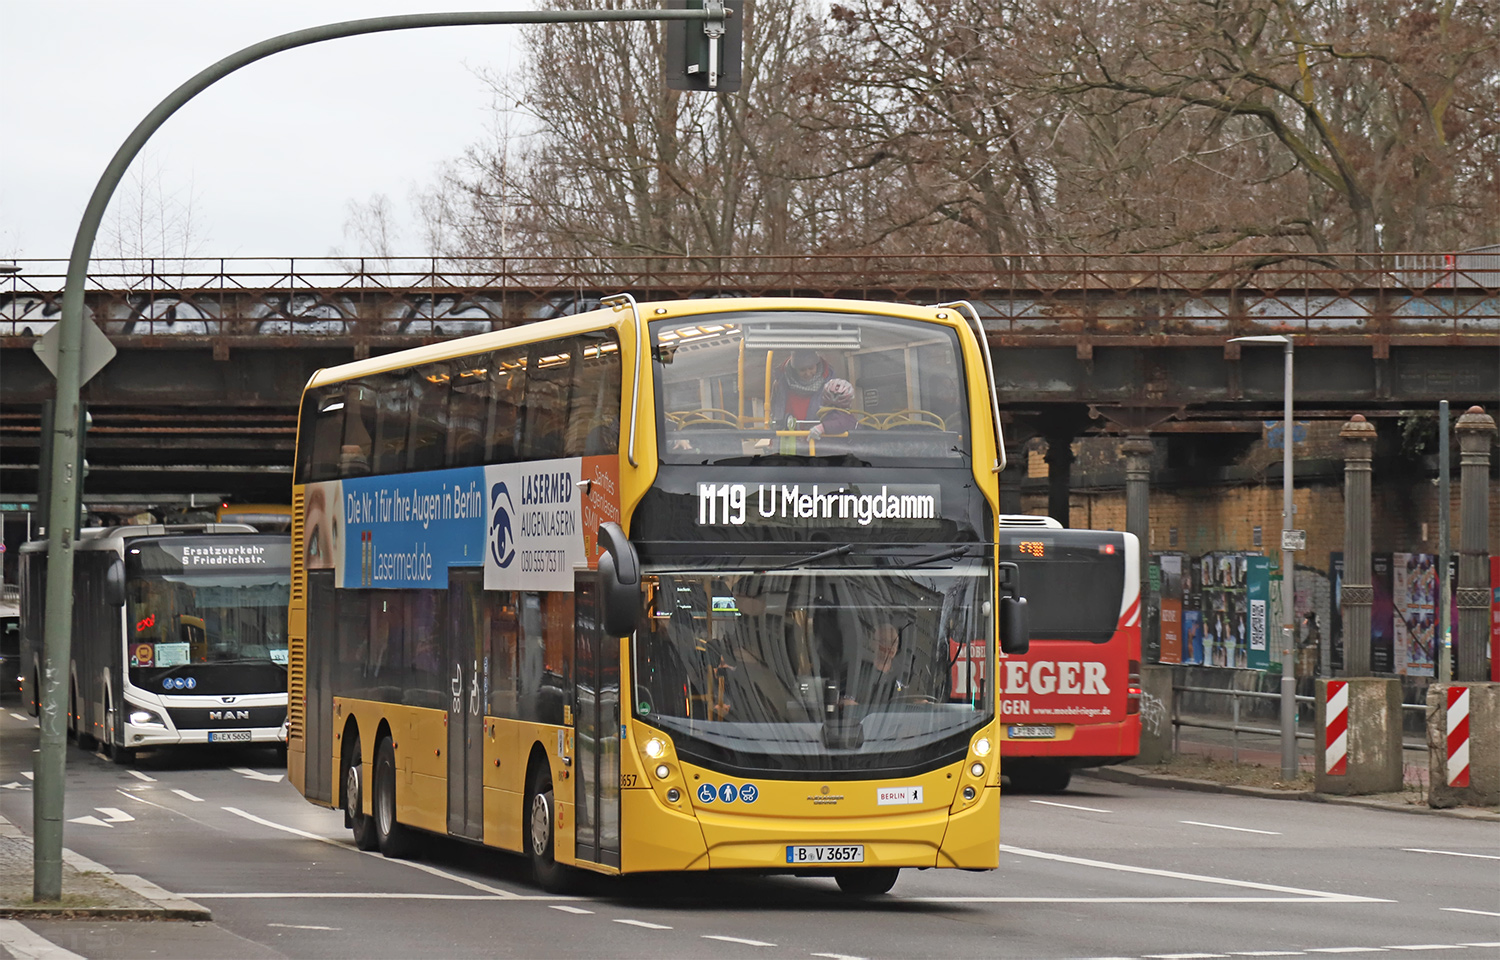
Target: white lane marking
[(187, 796), (837, 956), (257, 775), (112, 816), (1184, 956), (642, 923), (565, 908), (1482, 913), (141, 776), (496, 891), (22, 944), (301, 926), (748, 943), (13, 785), (1071, 806), (1346, 950), (1425, 946), (28, 774), (21, 717), (1221, 826), (1494, 943), (1175, 875), (1265, 953), (1331, 898), (1452, 853)]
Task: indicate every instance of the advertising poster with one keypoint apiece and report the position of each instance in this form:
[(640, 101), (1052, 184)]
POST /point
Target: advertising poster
[(1258, 594), (1414, 597), (542, 520), (1382, 616), (1224, 613), (1171, 608)]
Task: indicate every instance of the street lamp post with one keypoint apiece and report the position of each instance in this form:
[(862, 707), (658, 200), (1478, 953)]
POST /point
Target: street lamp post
[(1288, 567)]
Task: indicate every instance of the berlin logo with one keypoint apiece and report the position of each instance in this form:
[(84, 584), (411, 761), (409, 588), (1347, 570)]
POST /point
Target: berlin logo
[(502, 539)]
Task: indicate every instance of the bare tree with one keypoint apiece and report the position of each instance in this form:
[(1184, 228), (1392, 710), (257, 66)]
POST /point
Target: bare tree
[(147, 223)]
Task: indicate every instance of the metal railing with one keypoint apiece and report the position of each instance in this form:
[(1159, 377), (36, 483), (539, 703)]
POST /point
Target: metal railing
[(1235, 727)]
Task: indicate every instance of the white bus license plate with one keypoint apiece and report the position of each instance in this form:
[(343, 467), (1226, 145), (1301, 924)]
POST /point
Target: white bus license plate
[(841, 853), (1035, 731), (236, 736)]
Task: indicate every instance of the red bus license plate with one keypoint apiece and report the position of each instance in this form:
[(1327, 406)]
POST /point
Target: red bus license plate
[(1035, 731)]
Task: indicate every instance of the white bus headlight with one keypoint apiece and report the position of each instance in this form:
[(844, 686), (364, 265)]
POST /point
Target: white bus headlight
[(141, 716), (977, 770), (655, 748), (982, 747)]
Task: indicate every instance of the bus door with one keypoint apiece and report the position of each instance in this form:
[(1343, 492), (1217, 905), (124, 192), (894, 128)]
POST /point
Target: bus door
[(466, 700), (596, 734)]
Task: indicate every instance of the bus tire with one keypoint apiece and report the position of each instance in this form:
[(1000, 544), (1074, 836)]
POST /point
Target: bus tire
[(124, 756), (119, 754), (541, 833), (394, 840), (867, 881), (355, 819), (1051, 777)]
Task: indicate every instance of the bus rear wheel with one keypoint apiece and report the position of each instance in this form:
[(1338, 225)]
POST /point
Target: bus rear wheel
[(394, 840), (541, 833), (355, 819), (867, 881)]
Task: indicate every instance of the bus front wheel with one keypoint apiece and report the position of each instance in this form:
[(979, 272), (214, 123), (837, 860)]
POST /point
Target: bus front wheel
[(541, 833), (867, 881), (394, 840), (354, 796)]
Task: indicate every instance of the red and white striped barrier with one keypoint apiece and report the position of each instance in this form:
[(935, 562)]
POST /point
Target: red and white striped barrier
[(1458, 736), (1336, 729)]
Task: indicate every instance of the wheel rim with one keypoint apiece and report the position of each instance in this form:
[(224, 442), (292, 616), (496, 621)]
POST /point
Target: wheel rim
[(352, 796), (541, 824)]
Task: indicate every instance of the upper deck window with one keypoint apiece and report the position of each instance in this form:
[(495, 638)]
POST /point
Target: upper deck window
[(743, 387)]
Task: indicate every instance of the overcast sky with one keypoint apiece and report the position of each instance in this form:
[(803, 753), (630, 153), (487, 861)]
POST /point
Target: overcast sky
[(271, 155)]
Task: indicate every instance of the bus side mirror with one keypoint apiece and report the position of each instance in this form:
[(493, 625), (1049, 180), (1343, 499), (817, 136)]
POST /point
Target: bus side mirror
[(1015, 631), (619, 581), (114, 582)]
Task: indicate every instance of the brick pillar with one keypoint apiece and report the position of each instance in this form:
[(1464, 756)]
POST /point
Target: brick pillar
[(1471, 638), (1059, 459), (1359, 447)]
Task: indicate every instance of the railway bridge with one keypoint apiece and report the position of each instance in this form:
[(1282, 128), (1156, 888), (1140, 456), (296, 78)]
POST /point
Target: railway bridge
[(202, 397)]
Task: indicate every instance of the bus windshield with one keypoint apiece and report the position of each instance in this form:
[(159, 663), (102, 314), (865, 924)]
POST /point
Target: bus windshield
[(812, 672), (196, 608), (747, 388)]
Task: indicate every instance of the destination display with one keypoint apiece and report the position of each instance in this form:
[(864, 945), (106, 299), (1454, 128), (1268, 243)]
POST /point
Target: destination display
[(734, 504)]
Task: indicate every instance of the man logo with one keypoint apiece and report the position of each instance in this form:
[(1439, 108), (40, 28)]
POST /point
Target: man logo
[(502, 539), (229, 714)]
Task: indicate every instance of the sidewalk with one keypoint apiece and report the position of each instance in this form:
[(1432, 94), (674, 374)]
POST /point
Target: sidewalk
[(89, 889), (1257, 773)]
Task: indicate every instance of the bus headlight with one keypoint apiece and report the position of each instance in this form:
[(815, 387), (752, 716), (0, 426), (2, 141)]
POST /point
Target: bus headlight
[(655, 747), (982, 747), (663, 771), (673, 795), (968, 793), (140, 716), (977, 770)]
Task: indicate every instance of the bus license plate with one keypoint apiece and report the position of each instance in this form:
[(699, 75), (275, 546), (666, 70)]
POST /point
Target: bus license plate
[(234, 736), (1035, 731), (844, 853)]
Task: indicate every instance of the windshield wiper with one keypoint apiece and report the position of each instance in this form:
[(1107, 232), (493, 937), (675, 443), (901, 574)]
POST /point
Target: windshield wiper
[(934, 558), (834, 552)]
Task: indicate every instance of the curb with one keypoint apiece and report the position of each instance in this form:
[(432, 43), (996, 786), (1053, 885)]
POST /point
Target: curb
[(1126, 775), (163, 904)]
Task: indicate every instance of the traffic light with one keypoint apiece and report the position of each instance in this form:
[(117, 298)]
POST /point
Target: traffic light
[(705, 54)]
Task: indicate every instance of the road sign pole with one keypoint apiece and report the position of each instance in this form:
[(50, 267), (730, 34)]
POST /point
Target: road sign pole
[(63, 507)]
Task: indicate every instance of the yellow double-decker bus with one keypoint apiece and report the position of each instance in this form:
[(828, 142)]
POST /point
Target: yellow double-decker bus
[(690, 585)]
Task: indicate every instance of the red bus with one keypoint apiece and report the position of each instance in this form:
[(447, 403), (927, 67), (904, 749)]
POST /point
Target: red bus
[(1073, 700)]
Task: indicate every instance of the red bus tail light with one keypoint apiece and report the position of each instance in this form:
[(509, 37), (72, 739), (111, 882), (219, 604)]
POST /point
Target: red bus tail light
[(1133, 695)]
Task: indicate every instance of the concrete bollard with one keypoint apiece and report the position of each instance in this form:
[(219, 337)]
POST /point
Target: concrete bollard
[(1156, 713), (1358, 736), (1463, 757)]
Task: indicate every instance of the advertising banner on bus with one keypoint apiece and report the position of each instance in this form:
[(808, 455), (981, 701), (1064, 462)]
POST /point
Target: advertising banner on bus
[(529, 525)]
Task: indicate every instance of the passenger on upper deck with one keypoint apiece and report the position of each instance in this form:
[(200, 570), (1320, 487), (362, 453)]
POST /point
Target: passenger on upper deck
[(798, 386), (836, 418)]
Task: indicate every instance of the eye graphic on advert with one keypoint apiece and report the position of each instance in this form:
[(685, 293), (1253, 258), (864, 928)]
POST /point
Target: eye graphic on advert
[(502, 539)]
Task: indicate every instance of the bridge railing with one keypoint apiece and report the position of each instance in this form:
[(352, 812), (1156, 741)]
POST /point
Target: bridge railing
[(1209, 295)]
